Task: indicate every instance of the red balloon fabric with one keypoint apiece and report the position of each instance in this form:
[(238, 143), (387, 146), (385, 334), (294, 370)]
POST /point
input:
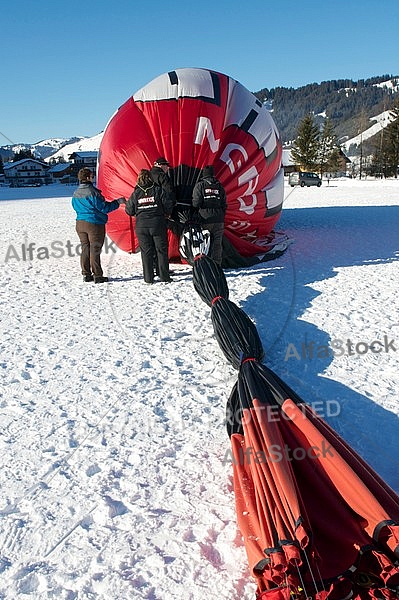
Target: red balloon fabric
[(197, 117)]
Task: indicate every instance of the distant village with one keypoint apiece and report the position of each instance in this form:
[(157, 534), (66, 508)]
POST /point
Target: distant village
[(30, 172)]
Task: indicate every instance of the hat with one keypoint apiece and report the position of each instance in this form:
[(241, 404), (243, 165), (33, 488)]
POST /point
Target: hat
[(208, 171), (161, 161)]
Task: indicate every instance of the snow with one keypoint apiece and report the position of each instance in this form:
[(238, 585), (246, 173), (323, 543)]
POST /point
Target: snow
[(85, 144), (381, 121), (44, 148), (391, 84), (113, 443)]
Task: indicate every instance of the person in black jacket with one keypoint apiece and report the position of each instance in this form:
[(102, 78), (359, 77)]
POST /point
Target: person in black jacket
[(160, 176), (150, 204), (209, 197)]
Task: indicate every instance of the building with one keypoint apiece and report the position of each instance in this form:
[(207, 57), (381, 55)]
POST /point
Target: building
[(287, 162), (26, 172), (62, 173), (84, 159), (342, 169)]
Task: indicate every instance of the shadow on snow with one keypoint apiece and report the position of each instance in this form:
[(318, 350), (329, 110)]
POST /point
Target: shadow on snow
[(326, 239)]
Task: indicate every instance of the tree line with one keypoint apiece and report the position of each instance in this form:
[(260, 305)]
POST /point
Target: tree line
[(385, 158), (317, 149), (340, 100)]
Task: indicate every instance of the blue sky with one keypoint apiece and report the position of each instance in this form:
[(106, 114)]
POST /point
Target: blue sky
[(67, 66)]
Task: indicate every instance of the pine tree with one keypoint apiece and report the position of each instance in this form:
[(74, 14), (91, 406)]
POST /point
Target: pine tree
[(22, 154), (385, 159), (305, 151), (1, 165), (378, 162), (391, 145), (328, 148), (334, 163)]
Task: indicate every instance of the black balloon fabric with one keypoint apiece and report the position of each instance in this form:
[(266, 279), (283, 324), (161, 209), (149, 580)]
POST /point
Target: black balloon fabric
[(316, 521), (235, 332), (209, 280), (255, 381)]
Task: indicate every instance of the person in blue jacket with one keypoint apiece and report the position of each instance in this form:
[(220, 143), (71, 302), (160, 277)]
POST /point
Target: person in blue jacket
[(91, 216)]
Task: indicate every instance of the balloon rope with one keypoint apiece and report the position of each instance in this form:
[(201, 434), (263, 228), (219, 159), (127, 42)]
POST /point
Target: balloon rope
[(319, 574), (311, 572), (307, 597)]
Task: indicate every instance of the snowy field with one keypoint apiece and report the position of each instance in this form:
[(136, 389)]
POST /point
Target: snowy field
[(114, 479)]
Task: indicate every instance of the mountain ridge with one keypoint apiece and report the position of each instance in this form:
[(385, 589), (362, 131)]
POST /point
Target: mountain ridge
[(359, 110), (349, 104)]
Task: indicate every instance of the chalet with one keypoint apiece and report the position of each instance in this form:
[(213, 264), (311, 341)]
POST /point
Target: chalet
[(287, 162), (26, 172), (84, 159), (62, 173), (289, 165), (345, 162), (80, 160)]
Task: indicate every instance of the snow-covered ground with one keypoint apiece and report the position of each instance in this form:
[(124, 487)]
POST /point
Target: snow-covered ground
[(114, 483)]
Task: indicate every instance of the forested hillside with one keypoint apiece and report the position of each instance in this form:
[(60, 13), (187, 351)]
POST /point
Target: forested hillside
[(349, 104)]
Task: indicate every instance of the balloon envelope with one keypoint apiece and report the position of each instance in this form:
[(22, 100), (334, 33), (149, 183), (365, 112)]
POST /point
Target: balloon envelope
[(197, 117)]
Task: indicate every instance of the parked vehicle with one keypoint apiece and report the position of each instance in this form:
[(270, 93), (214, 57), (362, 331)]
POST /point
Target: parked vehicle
[(304, 178)]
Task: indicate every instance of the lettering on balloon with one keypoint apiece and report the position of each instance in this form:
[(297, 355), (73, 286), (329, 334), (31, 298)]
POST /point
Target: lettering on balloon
[(226, 156), (205, 130), (248, 200), (251, 177)]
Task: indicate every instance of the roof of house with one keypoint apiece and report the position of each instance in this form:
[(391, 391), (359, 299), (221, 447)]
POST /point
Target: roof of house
[(84, 154), (59, 167), (20, 162)]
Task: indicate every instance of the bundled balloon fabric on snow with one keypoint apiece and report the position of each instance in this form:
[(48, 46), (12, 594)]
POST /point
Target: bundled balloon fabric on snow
[(197, 117), (317, 522)]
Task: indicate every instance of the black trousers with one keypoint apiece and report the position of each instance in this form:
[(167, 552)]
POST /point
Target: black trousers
[(216, 250), (91, 239), (154, 241)]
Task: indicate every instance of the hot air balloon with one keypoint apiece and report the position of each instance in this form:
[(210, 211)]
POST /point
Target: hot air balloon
[(197, 117)]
